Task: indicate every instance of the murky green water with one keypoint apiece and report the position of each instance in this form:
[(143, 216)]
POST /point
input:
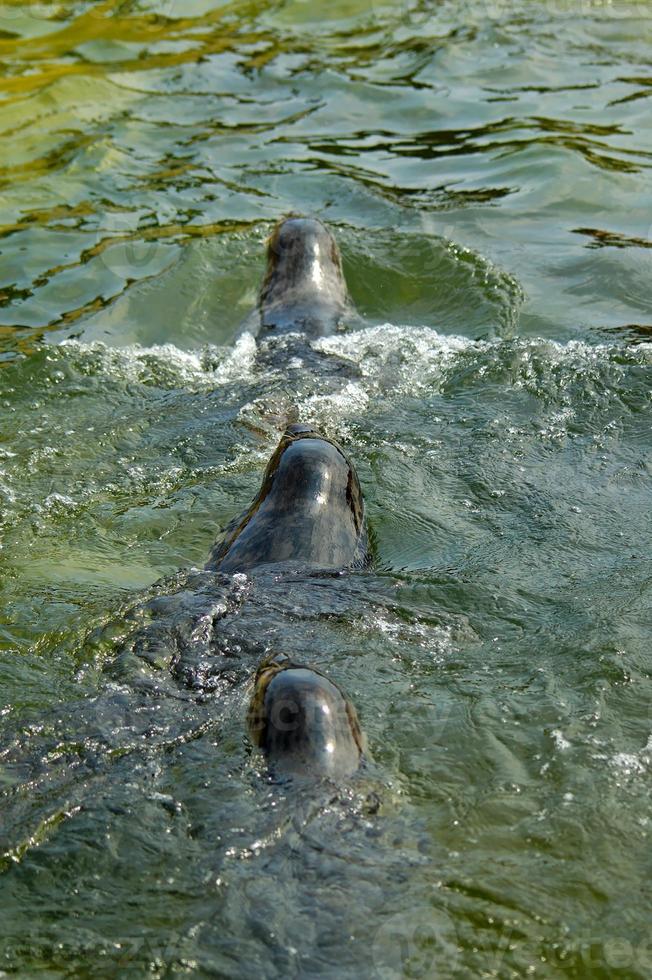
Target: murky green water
[(486, 168)]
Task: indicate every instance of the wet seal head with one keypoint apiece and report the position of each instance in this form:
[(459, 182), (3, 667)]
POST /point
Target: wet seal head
[(303, 722), (304, 288), (309, 509)]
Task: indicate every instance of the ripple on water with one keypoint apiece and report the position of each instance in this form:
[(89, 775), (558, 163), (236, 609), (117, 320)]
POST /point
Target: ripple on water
[(497, 407)]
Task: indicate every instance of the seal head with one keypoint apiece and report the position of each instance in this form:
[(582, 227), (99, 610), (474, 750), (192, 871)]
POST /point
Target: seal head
[(304, 288), (309, 509), (304, 723)]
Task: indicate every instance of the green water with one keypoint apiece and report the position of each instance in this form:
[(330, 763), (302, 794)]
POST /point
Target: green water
[(486, 170)]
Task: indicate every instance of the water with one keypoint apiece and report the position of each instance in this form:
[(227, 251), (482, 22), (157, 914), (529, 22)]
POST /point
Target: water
[(485, 168)]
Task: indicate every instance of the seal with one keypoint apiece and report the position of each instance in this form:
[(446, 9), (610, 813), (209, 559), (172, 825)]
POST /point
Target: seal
[(309, 509), (303, 289), (303, 722)]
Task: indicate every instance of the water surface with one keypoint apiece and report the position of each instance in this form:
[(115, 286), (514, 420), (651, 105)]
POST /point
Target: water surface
[(486, 169)]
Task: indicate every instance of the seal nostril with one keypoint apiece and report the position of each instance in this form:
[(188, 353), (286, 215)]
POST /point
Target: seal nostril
[(299, 429)]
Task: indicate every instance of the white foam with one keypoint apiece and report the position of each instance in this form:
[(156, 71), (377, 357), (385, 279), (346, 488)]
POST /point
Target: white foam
[(237, 362), (388, 358), (398, 358), (166, 363), (329, 409), (57, 501), (630, 764), (561, 742), (437, 641), (390, 335)]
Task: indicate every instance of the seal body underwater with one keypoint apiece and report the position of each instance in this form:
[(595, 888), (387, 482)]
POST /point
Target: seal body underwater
[(307, 517)]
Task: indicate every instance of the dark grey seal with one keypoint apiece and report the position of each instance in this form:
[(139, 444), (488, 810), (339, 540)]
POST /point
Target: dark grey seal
[(307, 518), (303, 289), (309, 509), (303, 722)]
